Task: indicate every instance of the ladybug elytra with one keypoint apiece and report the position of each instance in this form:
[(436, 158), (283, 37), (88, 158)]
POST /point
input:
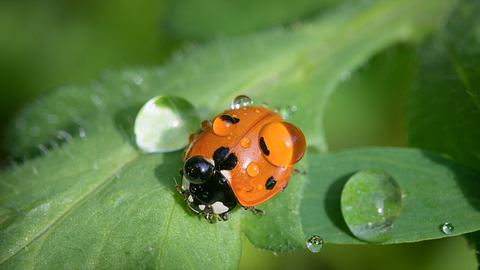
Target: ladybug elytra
[(244, 156)]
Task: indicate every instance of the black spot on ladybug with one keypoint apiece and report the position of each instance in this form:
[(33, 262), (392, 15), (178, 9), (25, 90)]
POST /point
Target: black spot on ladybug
[(229, 119), (264, 147), (223, 159), (270, 184), (220, 154)]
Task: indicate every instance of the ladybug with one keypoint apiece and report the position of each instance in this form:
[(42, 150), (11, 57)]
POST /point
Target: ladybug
[(244, 156)]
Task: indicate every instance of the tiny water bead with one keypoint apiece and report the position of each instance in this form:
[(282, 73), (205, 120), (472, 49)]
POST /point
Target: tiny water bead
[(241, 101), (253, 169), (447, 228), (371, 201), (164, 124), (245, 142), (314, 243), (205, 125)]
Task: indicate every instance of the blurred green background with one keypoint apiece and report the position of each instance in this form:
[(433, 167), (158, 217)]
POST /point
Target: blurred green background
[(49, 43)]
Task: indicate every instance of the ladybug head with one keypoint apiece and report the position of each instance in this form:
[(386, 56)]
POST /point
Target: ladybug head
[(197, 170)]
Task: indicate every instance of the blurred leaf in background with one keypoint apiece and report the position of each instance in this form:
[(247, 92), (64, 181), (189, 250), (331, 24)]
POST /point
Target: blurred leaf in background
[(44, 44), (444, 109), (196, 19)]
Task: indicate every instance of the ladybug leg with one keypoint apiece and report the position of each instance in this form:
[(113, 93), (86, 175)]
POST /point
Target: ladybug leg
[(299, 171), (285, 187), (209, 217), (224, 216), (255, 210), (178, 187)]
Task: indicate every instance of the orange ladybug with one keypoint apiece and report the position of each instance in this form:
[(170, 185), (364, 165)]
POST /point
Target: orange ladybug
[(244, 156)]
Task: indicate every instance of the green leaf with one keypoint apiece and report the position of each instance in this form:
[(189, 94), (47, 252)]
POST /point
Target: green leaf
[(443, 115), (301, 66), (219, 18), (368, 108), (434, 190), (461, 37), (91, 199)]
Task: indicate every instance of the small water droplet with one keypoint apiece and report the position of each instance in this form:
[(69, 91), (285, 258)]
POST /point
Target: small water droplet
[(447, 228), (253, 169), (241, 101), (288, 111), (206, 124), (137, 79), (43, 149), (314, 243), (371, 201), (245, 142), (222, 127), (81, 133), (63, 135), (164, 124)]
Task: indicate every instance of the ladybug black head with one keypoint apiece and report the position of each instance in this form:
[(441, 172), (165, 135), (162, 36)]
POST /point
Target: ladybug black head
[(197, 170)]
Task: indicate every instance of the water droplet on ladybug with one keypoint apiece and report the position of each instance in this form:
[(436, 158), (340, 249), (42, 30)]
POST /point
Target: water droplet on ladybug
[(245, 142), (241, 101), (206, 124), (222, 127), (253, 169), (282, 143)]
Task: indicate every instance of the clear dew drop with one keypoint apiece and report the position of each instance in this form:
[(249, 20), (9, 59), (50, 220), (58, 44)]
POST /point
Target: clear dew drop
[(241, 101), (164, 124), (314, 243), (447, 228), (371, 201)]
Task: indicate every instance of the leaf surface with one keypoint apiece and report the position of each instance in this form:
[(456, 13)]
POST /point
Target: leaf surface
[(443, 109), (89, 199), (435, 190)]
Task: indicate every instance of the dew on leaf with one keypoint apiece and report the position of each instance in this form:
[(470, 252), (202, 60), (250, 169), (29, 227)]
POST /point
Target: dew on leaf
[(164, 124), (314, 243), (371, 201), (447, 228), (240, 102), (81, 133)]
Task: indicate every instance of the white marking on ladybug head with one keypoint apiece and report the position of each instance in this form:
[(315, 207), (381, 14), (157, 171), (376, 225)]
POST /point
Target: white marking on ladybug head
[(190, 198), (201, 207), (209, 160), (219, 208), (227, 175)]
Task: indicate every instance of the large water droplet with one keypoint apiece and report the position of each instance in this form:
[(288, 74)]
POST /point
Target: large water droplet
[(241, 101), (223, 125), (164, 124), (371, 201), (314, 243), (447, 228)]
